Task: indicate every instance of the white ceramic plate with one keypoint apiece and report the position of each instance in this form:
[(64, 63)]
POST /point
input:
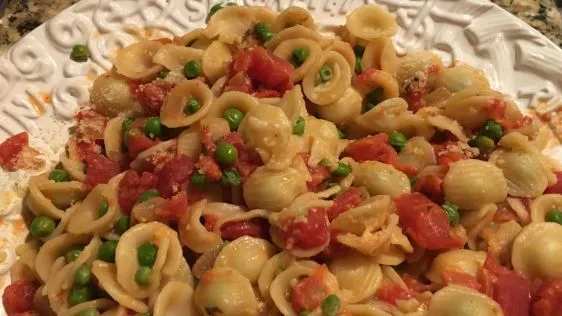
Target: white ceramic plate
[(41, 89)]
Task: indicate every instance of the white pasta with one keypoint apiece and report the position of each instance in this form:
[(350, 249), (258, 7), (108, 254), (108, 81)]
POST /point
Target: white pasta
[(462, 301), (371, 22), (112, 95), (174, 57), (344, 109), (459, 260), (174, 299), (285, 50), (172, 112), (293, 16), (542, 205), (417, 153), (359, 277), (135, 61), (334, 88), (273, 190), (215, 61), (232, 99), (230, 24), (297, 31), (380, 178), (462, 76), (537, 249), (380, 54), (193, 234)]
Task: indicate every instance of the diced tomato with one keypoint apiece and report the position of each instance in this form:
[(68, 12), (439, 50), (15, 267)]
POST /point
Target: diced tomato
[(413, 284), (269, 70), (505, 215), (132, 186), (239, 82), (18, 297), (90, 125), (511, 290), (151, 95), (496, 109), (207, 141), (414, 97), (425, 222), (307, 232), (430, 185), (310, 292), (256, 227), (347, 200), (10, 150), (100, 169), (446, 159), (209, 221), (248, 159), (368, 76), (209, 167), (392, 292), (318, 175), (173, 208), (84, 149), (555, 188), (547, 299), (138, 143), (267, 93), (372, 148), (174, 175), (460, 278), (241, 61), (335, 249)]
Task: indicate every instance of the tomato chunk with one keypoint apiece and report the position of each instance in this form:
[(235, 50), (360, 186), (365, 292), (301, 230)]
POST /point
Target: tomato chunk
[(309, 292), (138, 143), (374, 147), (347, 200), (132, 186), (547, 300), (557, 187), (414, 285), (90, 125), (431, 185), (18, 297), (425, 222), (241, 61), (209, 167), (100, 169), (151, 96), (307, 232), (10, 150), (269, 70), (255, 227), (173, 208), (174, 175), (392, 292)]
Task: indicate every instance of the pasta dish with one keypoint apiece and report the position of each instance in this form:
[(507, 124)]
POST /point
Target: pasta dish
[(260, 167)]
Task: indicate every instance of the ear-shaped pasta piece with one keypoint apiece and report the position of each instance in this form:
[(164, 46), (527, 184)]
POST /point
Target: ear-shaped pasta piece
[(500, 240), (544, 204), (417, 153), (53, 286), (216, 60), (111, 95), (471, 183), (344, 109), (460, 77), (87, 256), (344, 49), (359, 277), (182, 275), (379, 79), (275, 265), (293, 16), (380, 54), (476, 222), (64, 193), (460, 260), (113, 138), (106, 274), (265, 15), (285, 51), (232, 99), (371, 214), (397, 250), (172, 113), (462, 301), (117, 311), (135, 61), (468, 106), (194, 39), (334, 88), (189, 142), (537, 251), (433, 116), (230, 24), (372, 242), (370, 22), (414, 64), (53, 249), (293, 104), (323, 139), (72, 163), (380, 178), (167, 262), (226, 290), (174, 57), (247, 255), (297, 31), (142, 161), (86, 219), (176, 298), (370, 309), (193, 234), (100, 305), (27, 254), (273, 190)]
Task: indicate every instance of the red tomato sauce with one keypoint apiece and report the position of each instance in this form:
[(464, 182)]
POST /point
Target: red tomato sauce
[(347, 200), (174, 175), (392, 292), (100, 169), (132, 186), (255, 227), (11, 148), (151, 95), (307, 232), (309, 292), (18, 297), (173, 208), (547, 299)]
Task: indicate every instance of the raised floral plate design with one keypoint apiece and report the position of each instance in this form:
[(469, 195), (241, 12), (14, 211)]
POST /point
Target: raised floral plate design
[(41, 88)]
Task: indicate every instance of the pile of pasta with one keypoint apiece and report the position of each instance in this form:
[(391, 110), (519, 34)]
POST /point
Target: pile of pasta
[(260, 167)]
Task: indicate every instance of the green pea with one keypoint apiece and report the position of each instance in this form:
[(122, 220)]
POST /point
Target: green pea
[(304, 313), (554, 216), (331, 305), (122, 224), (42, 226), (143, 274), (89, 312), (298, 128), (492, 129), (341, 133), (192, 106), (231, 177), (226, 154), (397, 140), (341, 170), (146, 254), (358, 68), (375, 97), (107, 251), (483, 143), (147, 195), (359, 50), (300, 55), (80, 53), (126, 126), (199, 179), (234, 117), (163, 74), (153, 127), (325, 73), (412, 181), (73, 253), (192, 69), (452, 212), (59, 175), (80, 294), (369, 106), (103, 208), (263, 31), (213, 10), (82, 275)]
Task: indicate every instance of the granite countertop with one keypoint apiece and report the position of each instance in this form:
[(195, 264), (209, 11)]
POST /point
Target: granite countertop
[(22, 16)]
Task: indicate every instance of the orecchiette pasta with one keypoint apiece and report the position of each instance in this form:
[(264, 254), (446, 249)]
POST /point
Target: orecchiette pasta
[(536, 251), (460, 300), (381, 179)]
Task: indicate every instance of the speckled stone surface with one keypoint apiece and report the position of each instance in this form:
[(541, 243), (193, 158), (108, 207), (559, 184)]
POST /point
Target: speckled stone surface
[(22, 16)]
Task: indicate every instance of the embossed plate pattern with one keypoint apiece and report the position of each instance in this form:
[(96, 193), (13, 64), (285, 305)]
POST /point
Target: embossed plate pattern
[(41, 89)]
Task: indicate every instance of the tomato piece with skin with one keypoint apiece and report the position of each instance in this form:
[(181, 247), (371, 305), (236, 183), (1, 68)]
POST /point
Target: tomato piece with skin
[(345, 201), (557, 187), (239, 82), (255, 227), (173, 208), (375, 147), (174, 175), (132, 186), (307, 232), (100, 169), (414, 285), (425, 222), (269, 70), (460, 278), (335, 249), (547, 299), (431, 185), (267, 93), (309, 293), (151, 96), (392, 292), (18, 297), (10, 150), (138, 143), (209, 167), (241, 61)]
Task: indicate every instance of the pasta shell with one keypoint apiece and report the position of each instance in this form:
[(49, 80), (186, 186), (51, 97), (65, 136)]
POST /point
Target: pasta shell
[(174, 57), (293, 104), (297, 31), (417, 153), (285, 51), (112, 95), (380, 54), (524, 173), (381, 179), (468, 106), (86, 219), (462, 301), (332, 90), (230, 24), (460, 260), (462, 76), (194, 39), (172, 112), (273, 190), (358, 276), (370, 22), (232, 99), (343, 110), (544, 204), (53, 249), (537, 251), (271, 269), (216, 61), (135, 61), (345, 50), (413, 65), (175, 299), (193, 234), (293, 16)]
